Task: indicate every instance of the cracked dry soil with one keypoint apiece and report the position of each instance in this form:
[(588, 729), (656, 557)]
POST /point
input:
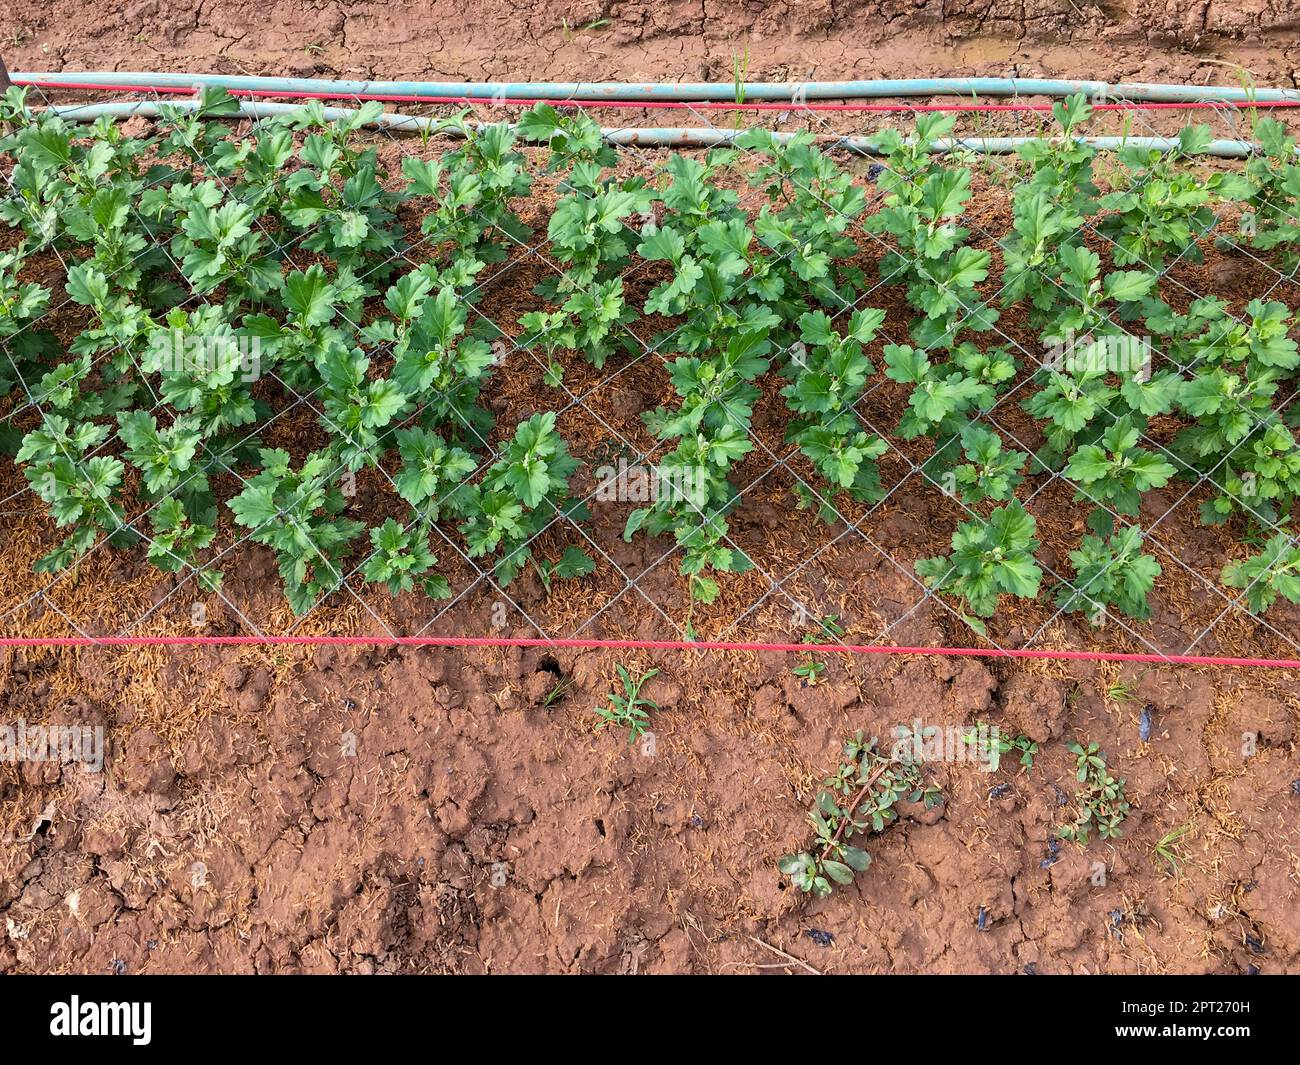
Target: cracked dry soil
[(337, 810)]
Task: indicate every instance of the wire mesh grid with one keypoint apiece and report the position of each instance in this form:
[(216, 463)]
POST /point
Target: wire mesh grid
[(798, 585)]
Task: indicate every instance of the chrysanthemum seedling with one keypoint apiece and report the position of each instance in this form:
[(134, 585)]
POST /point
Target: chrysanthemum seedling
[(1164, 206), (989, 558), (628, 709), (1110, 574), (860, 796), (1264, 577)]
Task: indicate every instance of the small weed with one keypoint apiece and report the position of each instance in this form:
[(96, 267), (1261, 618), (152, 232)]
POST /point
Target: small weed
[(573, 563), (829, 629), (1101, 802), (557, 693), (739, 74), (813, 671), (628, 710), (1168, 850), (1026, 747), (810, 672), (1125, 691), (1120, 692), (568, 31), (859, 796)]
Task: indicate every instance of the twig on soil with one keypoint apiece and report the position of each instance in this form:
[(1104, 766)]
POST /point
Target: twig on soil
[(790, 958), (857, 799)]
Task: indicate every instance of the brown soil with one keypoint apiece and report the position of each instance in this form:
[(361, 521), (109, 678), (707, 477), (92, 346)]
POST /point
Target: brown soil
[(271, 809), (1187, 40)]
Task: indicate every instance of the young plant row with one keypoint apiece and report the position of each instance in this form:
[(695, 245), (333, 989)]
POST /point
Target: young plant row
[(228, 287)]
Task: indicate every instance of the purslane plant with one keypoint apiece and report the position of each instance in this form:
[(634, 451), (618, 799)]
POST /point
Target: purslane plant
[(860, 797), (1101, 804)]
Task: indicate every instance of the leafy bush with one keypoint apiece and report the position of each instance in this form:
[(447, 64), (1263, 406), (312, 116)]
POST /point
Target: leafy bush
[(297, 514), (989, 558), (1110, 573), (1264, 577), (222, 284)]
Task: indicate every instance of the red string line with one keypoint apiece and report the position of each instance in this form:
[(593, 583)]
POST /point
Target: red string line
[(705, 105), (638, 645)]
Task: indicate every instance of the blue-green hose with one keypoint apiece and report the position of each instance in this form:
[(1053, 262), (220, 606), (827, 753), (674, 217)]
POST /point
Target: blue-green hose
[(654, 91)]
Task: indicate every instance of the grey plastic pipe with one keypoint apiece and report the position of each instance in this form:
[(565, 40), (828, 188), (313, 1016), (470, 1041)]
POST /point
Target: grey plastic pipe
[(685, 91), (662, 137)]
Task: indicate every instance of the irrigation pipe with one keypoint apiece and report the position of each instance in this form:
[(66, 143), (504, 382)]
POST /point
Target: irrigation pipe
[(663, 137), (789, 92), (646, 645), (703, 105)]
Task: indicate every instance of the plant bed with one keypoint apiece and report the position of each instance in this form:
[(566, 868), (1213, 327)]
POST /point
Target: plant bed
[(650, 394)]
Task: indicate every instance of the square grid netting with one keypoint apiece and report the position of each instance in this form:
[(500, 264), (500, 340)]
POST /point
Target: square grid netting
[(1016, 377)]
